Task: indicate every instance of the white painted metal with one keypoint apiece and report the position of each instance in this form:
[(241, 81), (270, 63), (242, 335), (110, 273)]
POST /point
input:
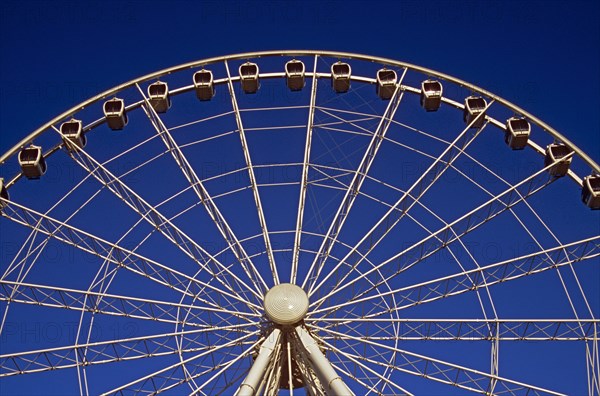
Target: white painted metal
[(525, 265), (413, 194), (150, 214), (286, 304), (440, 370), (228, 305), (462, 222), (257, 201), (204, 196), (385, 61), (333, 383), (115, 254), (304, 179), (250, 385), (359, 177)]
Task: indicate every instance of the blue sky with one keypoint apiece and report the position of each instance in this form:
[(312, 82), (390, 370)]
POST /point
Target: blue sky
[(542, 55)]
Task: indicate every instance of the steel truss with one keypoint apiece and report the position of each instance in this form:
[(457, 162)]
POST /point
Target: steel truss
[(204, 313)]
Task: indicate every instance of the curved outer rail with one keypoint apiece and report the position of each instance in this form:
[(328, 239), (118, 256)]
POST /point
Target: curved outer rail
[(347, 55)]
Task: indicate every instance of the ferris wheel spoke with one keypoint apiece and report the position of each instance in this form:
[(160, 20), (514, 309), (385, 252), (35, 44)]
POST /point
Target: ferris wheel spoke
[(558, 271), (147, 383), (529, 232), (163, 382), (228, 388), (360, 174), (201, 322), (473, 329), (194, 371), (411, 196), (93, 353), (593, 363), (115, 254), (242, 355), (371, 388), (247, 158), (357, 361), (23, 266), (114, 304), (29, 250), (367, 372), (165, 226), (208, 201), (454, 230), (153, 216), (333, 125), (441, 371), (33, 249), (304, 177), (487, 276)]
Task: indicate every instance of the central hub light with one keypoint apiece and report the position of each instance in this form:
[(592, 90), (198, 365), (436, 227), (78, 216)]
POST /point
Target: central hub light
[(286, 304)]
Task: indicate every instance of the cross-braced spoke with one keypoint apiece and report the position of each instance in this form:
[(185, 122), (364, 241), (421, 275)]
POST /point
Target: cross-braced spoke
[(304, 177), (117, 255), (103, 352), (405, 288), (205, 198), (171, 376), (114, 304), (472, 329), (441, 371), (165, 226), (242, 355), (257, 201), (410, 197), (487, 276), (454, 230), (349, 197)]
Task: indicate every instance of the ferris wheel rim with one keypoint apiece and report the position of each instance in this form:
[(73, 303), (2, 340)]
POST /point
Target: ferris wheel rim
[(595, 167), (231, 79)]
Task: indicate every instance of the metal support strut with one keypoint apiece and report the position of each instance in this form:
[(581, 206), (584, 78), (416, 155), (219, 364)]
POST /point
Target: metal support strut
[(329, 379), (250, 385)]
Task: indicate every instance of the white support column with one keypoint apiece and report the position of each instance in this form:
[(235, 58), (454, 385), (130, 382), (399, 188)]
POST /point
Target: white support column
[(250, 385), (330, 380)]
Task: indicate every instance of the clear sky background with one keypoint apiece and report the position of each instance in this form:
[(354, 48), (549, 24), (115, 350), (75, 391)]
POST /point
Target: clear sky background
[(542, 55)]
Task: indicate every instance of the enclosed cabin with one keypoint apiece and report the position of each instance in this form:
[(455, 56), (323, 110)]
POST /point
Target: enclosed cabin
[(517, 133), (474, 107), (158, 95), (114, 111), (72, 135), (3, 194), (590, 191), (294, 75), (204, 84), (431, 95), (340, 77), (559, 153), (386, 83), (33, 164), (249, 77)]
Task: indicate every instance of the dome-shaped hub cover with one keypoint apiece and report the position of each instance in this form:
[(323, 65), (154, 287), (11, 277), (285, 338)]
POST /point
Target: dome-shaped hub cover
[(286, 304)]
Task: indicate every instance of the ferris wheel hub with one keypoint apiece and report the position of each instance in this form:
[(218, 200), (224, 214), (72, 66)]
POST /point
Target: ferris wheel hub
[(286, 304)]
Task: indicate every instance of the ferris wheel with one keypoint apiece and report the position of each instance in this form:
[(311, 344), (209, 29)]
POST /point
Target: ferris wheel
[(299, 222)]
